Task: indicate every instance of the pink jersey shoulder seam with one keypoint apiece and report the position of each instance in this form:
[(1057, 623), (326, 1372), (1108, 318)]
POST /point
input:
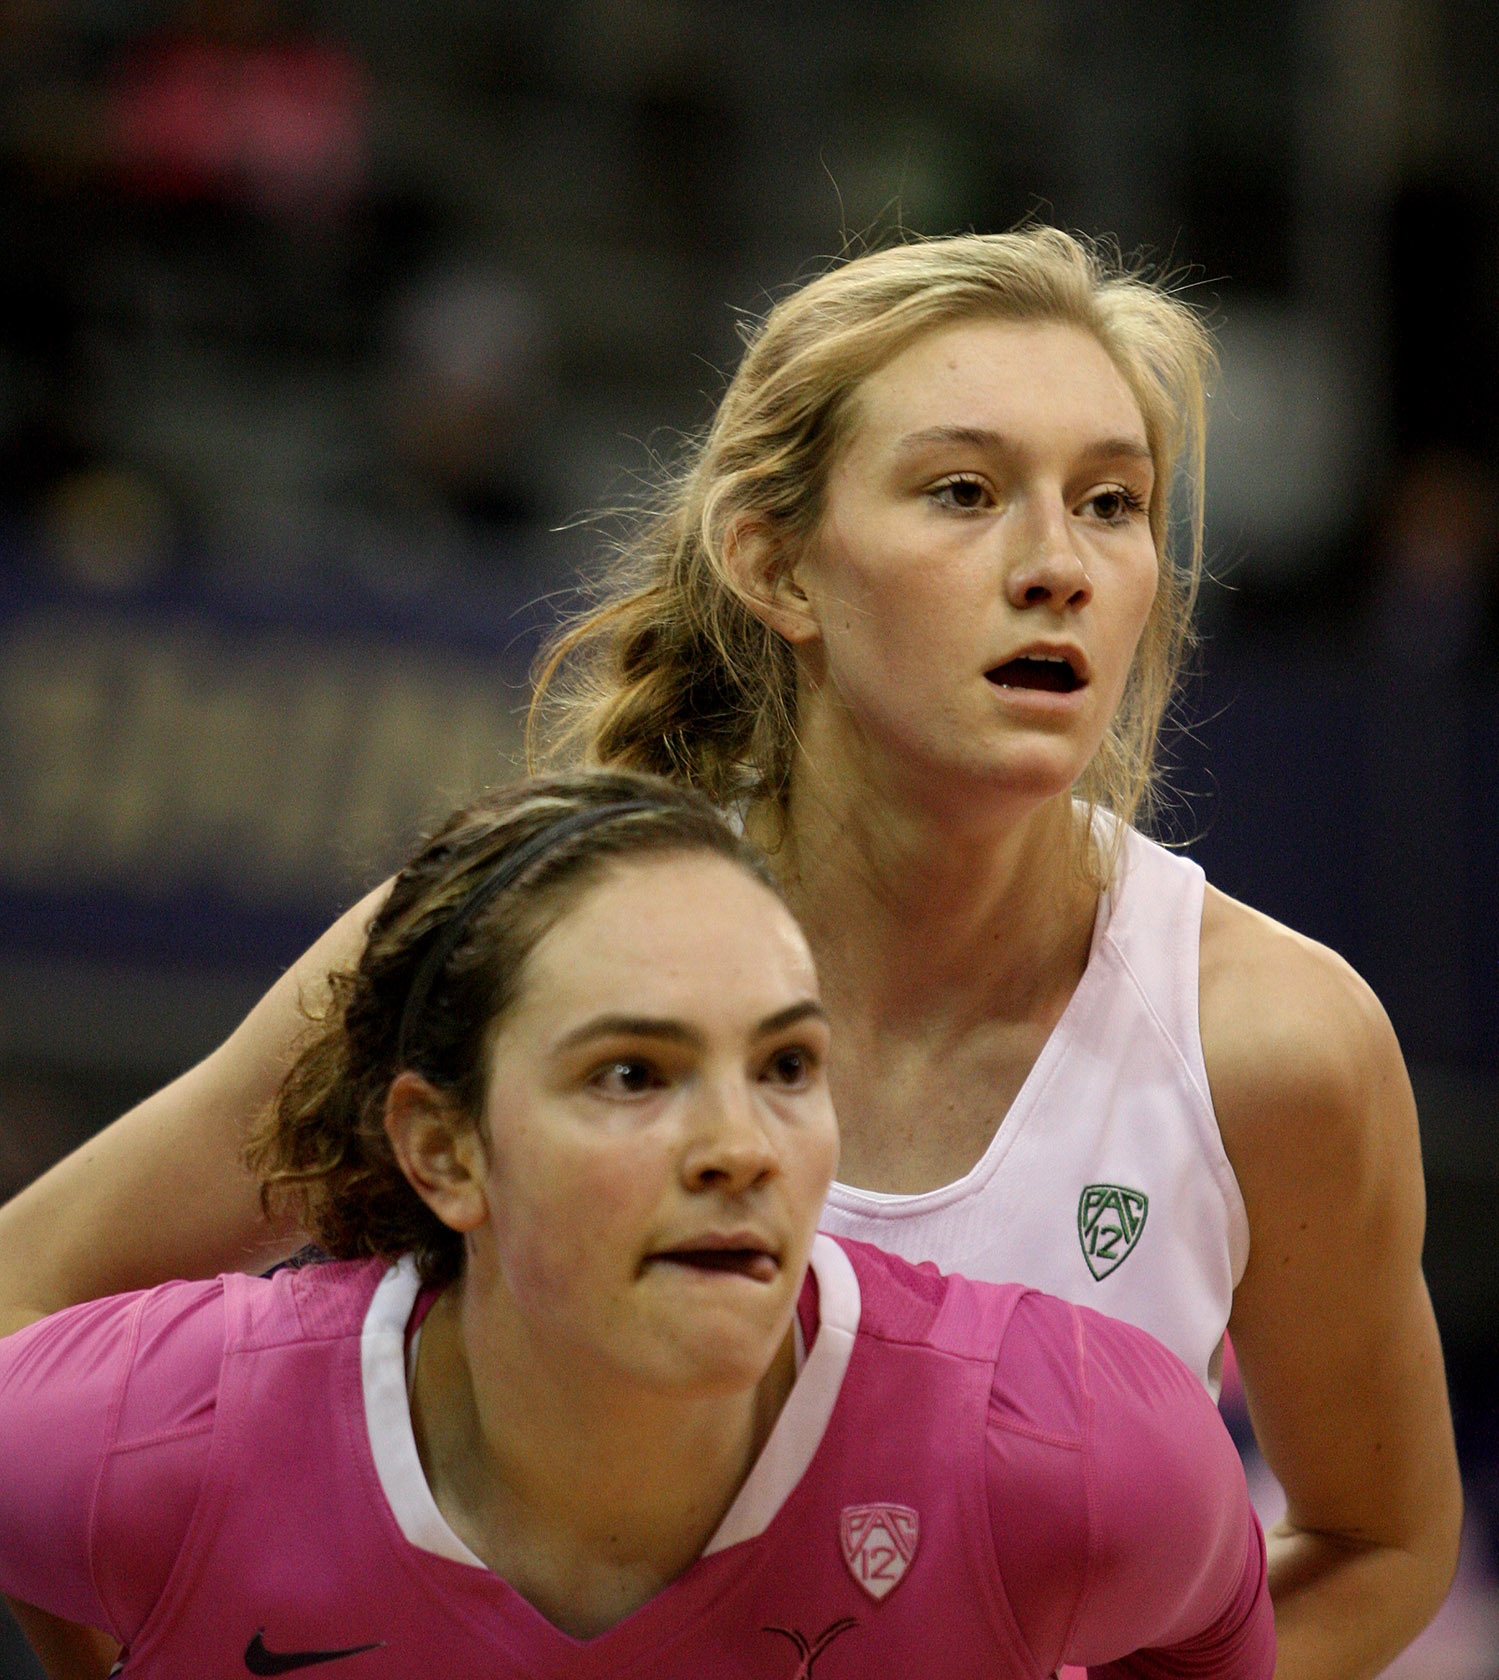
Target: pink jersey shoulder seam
[(117, 1407), (187, 1565), (1090, 1492), (242, 1335)]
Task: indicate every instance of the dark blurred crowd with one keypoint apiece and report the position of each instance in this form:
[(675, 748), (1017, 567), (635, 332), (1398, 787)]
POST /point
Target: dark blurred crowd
[(224, 340), (294, 288)]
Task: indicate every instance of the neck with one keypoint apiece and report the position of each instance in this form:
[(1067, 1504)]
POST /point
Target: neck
[(925, 916), (586, 1492)]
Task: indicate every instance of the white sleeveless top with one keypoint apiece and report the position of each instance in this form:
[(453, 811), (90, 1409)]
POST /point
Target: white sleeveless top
[(1107, 1182)]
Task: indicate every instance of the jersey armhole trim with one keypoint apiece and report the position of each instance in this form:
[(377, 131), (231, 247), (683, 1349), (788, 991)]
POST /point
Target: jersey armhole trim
[(1209, 1133)]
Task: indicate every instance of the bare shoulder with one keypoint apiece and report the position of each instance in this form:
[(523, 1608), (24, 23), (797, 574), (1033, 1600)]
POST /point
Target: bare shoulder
[(1302, 1061)]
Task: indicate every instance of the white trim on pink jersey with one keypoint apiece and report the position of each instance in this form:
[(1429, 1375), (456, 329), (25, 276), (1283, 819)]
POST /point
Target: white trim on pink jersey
[(804, 1418), (782, 1463), (387, 1415)]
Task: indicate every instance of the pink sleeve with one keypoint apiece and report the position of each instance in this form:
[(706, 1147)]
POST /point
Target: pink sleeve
[(106, 1414), (1126, 1539)]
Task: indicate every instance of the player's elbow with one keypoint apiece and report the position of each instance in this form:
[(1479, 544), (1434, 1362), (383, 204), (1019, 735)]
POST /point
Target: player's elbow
[(1432, 1535), (1416, 1569), (1419, 1574), (1436, 1546)]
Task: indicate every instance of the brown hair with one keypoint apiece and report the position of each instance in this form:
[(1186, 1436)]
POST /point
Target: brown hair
[(442, 965), (673, 672)]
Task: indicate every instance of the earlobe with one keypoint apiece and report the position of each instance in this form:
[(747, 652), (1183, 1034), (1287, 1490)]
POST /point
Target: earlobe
[(438, 1149), (767, 583)]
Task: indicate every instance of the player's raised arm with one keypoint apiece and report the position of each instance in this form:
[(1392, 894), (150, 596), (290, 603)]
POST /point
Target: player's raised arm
[(162, 1192)]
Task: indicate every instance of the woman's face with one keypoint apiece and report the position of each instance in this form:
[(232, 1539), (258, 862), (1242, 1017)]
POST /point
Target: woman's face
[(660, 1132), (985, 565)]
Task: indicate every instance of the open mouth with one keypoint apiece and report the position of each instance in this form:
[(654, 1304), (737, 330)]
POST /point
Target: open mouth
[(1051, 673), (754, 1263)]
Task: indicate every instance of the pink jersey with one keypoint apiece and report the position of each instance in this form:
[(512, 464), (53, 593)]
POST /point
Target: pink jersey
[(966, 1480)]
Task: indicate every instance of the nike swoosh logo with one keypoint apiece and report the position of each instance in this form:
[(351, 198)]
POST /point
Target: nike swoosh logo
[(261, 1661)]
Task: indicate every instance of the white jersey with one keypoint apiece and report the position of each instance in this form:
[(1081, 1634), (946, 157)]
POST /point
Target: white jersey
[(1107, 1182)]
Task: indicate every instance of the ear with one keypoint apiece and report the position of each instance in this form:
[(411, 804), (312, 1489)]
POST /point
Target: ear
[(439, 1150), (767, 583)]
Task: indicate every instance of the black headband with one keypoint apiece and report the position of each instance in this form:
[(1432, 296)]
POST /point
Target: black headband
[(508, 870)]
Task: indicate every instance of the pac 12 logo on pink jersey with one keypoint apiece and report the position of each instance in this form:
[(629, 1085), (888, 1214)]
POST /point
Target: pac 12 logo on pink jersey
[(879, 1542)]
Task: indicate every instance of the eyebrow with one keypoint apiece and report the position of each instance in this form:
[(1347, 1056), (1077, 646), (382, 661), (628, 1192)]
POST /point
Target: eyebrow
[(981, 437), (678, 1032)]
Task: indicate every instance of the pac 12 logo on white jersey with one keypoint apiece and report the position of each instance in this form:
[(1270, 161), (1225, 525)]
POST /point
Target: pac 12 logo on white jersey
[(1110, 1218), (879, 1542)]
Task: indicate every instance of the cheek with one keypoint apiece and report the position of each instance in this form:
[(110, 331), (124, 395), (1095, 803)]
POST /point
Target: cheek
[(867, 559), (811, 1161), (1149, 583), (837, 584), (576, 1229), (1137, 586), (889, 621)]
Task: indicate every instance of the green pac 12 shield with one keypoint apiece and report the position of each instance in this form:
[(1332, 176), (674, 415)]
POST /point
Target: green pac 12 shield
[(1110, 1218)]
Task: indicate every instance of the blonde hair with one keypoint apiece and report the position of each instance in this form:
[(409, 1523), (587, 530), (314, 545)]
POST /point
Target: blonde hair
[(673, 672)]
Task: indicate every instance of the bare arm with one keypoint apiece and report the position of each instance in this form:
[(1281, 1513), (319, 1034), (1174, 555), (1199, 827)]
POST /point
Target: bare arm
[(1331, 1322), (161, 1193)]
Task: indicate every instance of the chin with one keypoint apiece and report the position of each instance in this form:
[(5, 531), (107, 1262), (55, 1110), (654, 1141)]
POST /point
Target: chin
[(1008, 778), (717, 1361), (1042, 766)]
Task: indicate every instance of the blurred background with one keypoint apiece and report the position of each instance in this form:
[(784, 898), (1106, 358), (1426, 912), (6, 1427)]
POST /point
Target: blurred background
[(323, 324)]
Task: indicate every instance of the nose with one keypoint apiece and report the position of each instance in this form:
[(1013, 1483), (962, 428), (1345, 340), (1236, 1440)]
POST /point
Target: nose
[(729, 1148), (1048, 570)]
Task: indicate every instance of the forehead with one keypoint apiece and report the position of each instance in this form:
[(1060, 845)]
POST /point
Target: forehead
[(678, 934), (1021, 379)]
